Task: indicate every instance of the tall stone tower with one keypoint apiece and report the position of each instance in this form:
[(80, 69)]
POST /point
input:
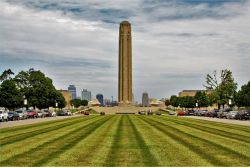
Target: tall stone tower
[(125, 64)]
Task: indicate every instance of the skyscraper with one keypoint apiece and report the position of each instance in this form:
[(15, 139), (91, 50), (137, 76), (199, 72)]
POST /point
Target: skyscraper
[(99, 97), (86, 95), (125, 64), (72, 90), (145, 99)]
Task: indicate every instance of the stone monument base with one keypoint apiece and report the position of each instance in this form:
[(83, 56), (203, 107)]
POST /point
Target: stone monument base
[(125, 104), (124, 109)]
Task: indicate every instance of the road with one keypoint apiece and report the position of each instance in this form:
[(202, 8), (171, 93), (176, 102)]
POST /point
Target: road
[(229, 121), (31, 121)]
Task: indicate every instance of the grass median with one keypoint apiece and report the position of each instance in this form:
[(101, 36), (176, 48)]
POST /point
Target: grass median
[(125, 140)]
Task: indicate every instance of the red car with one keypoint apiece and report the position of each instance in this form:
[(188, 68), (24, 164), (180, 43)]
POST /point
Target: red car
[(181, 113), (86, 113), (32, 114)]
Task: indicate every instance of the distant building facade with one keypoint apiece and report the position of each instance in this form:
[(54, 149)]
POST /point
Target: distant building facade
[(86, 95), (145, 100), (72, 89), (67, 96), (107, 102), (191, 92), (99, 97)]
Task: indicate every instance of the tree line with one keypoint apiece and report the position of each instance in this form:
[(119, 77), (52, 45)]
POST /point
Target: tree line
[(31, 85), (221, 89)]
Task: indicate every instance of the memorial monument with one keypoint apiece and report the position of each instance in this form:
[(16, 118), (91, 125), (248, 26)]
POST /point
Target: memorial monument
[(125, 65)]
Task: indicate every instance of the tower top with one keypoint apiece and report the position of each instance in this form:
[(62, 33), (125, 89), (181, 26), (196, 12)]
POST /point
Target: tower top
[(125, 22)]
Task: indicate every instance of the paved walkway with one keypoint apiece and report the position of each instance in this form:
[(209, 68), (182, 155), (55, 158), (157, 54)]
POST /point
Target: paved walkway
[(229, 121), (31, 121)]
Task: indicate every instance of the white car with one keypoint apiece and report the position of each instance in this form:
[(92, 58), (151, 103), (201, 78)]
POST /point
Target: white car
[(53, 113), (3, 116)]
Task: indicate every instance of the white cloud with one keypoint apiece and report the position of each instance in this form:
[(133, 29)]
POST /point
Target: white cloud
[(168, 55)]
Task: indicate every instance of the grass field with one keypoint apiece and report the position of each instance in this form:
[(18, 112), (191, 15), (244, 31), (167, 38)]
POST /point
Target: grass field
[(126, 140)]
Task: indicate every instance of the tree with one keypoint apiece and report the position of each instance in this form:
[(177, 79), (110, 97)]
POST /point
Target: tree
[(174, 101), (224, 87), (201, 98), (6, 75), (76, 102), (243, 96), (60, 100), (38, 89), (84, 102), (187, 102), (213, 98), (10, 96), (167, 102)]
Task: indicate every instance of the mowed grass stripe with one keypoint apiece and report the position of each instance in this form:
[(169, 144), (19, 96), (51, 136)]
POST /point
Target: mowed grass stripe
[(209, 124), (46, 149), (220, 124), (129, 147), (90, 151), (28, 127), (168, 151), (112, 155), (213, 141), (71, 141), (19, 137), (148, 157), (7, 151), (237, 137), (225, 141), (213, 152)]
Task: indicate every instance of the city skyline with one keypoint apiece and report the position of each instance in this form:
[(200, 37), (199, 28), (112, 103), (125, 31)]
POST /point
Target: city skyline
[(175, 44)]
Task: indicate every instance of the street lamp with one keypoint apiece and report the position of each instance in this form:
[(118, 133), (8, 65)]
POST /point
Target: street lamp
[(25, 101), (197, 105), (56, 104), (230, 102)]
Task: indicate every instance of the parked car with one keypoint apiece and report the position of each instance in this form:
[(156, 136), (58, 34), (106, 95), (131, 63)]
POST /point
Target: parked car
[(190, 112), (53, 113), (203, 113), (196, 113), (231, 114), (12, 115), (158, 113), (213, 113), (62, 113), (69, 113), (200, 112), (47, 113), (181, 113), (171, 113), (150, 112), (41, 114), (3, 116), (86, 113), (142, 112), (243, 114), (223, 113), (32, 114), (22, 114)]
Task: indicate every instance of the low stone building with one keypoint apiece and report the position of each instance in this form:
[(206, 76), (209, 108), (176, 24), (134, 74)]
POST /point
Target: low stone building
[(191, 92), (67, 96)]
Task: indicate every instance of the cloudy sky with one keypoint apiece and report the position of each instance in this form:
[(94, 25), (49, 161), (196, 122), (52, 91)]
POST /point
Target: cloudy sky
[(175, 42)]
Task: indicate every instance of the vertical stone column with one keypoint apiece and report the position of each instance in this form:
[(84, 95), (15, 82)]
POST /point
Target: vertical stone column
[(125, 64)]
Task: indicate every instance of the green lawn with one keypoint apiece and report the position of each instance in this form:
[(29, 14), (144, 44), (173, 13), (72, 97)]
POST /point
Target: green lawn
[(126, 140)]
